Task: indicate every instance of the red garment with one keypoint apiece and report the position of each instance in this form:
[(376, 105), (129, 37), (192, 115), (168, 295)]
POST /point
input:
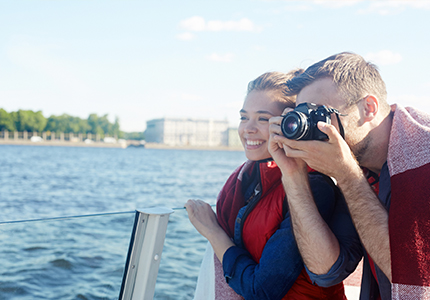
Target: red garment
[(409, 226), (263, 222)]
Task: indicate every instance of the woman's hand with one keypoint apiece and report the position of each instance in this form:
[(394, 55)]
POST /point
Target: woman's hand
[(204, 220), (288, 166), (202, 217)]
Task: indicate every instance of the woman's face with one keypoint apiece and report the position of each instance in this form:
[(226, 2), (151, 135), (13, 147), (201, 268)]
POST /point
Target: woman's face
[(258, 108)]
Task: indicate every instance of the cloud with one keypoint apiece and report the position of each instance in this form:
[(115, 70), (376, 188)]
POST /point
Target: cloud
[(386, 7), (221, 58), (243, 24), (185, 36), (198, 23), (193, 24), (384, 57), (336, 4), (393, 7), (291, 8)]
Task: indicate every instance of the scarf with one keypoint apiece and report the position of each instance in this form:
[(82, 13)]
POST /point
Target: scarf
[(409, 216)]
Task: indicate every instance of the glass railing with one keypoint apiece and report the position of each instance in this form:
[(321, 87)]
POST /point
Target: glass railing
[(84, 257), (79, 257), (182, 255)]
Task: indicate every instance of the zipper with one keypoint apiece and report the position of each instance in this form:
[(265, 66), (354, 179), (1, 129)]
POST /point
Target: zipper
[(252, 202)]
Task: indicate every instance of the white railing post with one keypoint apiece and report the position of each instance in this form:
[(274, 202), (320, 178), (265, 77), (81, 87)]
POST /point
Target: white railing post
[(144, 254)]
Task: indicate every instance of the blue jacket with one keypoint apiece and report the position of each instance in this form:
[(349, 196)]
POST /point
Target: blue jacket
[(274, 273)]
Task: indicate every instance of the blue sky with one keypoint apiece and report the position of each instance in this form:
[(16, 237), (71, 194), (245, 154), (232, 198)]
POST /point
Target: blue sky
[(140, 60)]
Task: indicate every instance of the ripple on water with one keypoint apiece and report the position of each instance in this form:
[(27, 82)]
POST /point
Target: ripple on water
[(62, 263), (84, 258)]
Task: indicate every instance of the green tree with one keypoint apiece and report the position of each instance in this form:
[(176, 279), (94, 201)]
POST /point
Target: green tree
[(115, 128), (94, 124), (133, 135), (29, 120), (103, 126), (66, 123), (35, 121), (6, 121)]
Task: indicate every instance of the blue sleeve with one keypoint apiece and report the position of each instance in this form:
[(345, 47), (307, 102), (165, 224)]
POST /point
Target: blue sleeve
[(339, 221), (273, 276)]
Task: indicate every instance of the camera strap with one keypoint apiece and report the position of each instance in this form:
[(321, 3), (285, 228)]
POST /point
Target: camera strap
[(337, 113)]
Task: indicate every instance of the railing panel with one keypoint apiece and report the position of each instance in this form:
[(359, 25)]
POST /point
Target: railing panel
[(72, 258), (182, 256)]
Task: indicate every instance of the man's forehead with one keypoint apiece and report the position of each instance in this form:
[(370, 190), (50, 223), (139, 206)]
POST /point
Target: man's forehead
[(321, 92)]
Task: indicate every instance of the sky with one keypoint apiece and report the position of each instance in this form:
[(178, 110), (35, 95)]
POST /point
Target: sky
[(149, 59)]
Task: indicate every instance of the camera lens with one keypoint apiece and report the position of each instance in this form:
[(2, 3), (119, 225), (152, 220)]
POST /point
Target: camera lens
[(291, 125), (294, 125)]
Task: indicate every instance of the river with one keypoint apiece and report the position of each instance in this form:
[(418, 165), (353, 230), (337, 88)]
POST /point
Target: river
[(67, 213)]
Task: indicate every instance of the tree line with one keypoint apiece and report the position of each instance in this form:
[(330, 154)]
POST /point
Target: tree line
[(28, 120)]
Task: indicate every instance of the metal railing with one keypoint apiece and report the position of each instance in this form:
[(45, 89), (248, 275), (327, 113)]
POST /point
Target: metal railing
[(51, 258), (52, 136)]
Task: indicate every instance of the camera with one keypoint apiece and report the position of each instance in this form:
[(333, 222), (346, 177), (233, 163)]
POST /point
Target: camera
[(301, 123)]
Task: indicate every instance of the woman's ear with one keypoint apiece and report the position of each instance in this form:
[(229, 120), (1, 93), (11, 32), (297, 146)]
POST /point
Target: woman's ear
[(371, 107)]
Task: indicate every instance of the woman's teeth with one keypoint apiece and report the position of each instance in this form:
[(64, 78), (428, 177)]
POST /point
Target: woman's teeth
[(254, 143)]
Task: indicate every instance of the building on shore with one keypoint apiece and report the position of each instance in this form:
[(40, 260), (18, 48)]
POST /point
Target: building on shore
[(233, 138), (190, 132)]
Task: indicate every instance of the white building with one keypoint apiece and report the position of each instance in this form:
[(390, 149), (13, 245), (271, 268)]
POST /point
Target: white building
[(233, 138), (187, 132)]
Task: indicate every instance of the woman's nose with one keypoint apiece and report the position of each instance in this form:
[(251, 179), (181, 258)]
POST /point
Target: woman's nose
[(250, 127)]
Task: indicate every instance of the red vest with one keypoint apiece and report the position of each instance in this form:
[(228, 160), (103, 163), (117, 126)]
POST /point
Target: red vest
[(262, 223)]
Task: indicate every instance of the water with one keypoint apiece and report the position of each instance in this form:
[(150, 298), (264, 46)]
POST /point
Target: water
[(84, 257)]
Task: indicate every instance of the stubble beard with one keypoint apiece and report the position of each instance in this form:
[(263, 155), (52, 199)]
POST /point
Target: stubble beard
[(361, 149)]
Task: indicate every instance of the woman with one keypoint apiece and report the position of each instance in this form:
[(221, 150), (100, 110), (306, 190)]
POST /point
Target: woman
[(251, 234)]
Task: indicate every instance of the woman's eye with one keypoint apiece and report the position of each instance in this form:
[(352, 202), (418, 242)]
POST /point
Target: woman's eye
[(264, 119), (242, 118)]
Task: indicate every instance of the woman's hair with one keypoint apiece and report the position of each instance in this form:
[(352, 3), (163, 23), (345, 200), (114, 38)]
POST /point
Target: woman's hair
[(275, 81)]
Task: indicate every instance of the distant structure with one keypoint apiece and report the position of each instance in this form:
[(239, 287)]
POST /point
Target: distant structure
[(190, 132), (233, 138)]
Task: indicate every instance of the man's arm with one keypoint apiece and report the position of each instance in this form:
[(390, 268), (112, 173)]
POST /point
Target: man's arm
[(317, 244), (334, 158), (369, 216)]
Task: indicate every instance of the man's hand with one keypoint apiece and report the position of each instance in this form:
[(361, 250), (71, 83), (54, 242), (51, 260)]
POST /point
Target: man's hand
[(332, 157)]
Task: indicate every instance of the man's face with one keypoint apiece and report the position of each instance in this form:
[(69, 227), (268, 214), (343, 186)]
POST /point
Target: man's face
[(321, 92), (324, 92)]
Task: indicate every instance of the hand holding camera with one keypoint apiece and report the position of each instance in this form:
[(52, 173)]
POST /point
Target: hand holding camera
[(301, 123)]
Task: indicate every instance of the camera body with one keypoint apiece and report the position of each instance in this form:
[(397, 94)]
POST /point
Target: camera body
[(301, 123)]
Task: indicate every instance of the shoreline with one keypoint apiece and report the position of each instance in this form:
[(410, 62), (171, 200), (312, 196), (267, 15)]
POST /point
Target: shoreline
[(129, 144)]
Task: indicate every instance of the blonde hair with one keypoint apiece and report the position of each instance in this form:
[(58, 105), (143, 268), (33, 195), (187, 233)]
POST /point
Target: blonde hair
[(275, 81)]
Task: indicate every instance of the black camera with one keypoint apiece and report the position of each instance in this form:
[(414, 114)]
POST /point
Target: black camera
[(301, 123)]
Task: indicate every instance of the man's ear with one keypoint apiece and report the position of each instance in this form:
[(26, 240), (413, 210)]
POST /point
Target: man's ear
[(371, 107)]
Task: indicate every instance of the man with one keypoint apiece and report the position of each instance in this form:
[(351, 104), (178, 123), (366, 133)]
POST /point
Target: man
[(392, 142)]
